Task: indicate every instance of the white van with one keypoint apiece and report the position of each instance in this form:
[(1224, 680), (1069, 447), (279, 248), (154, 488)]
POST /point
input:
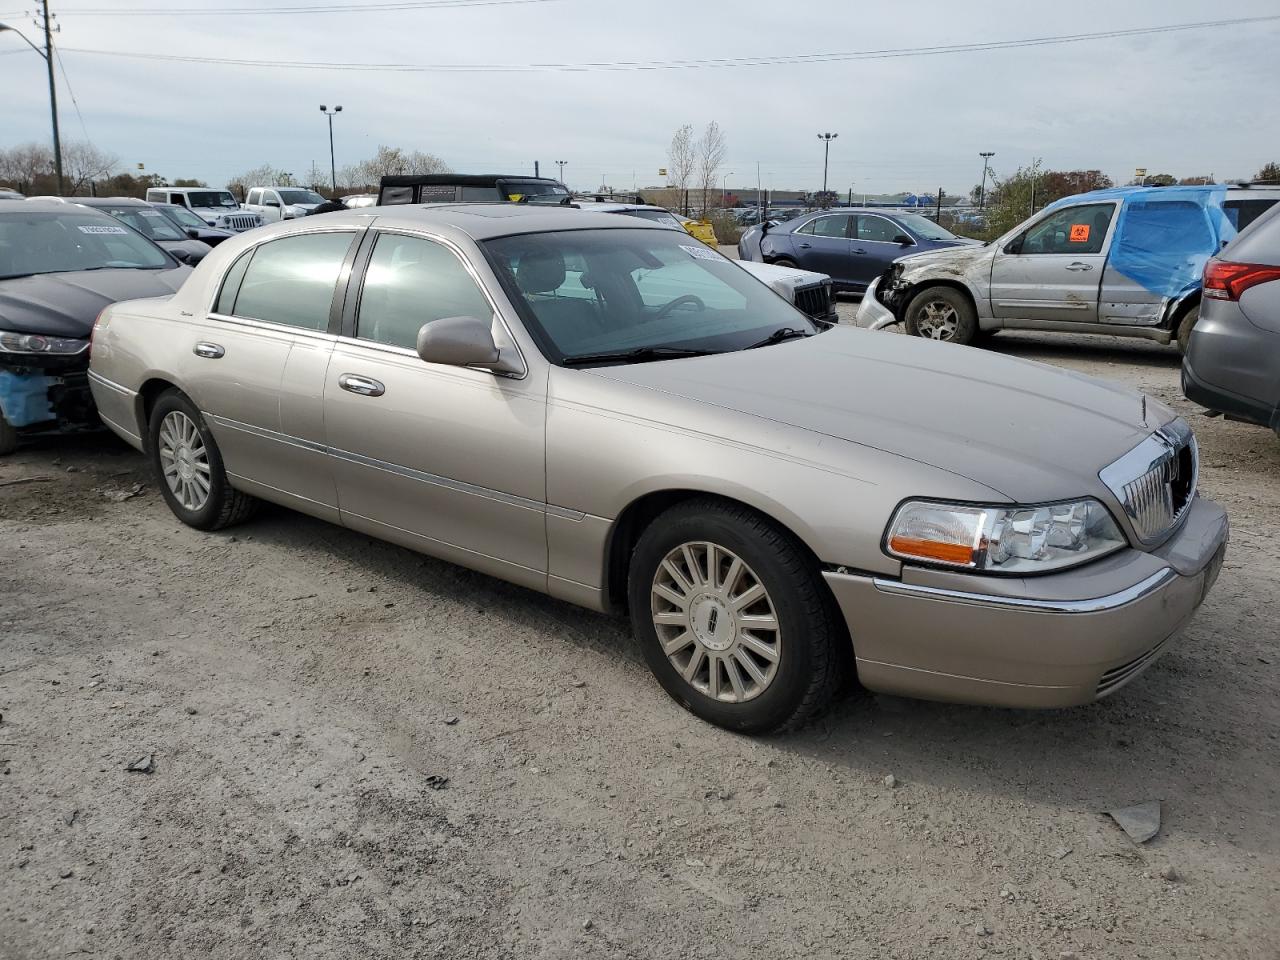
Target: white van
[(217, 208)]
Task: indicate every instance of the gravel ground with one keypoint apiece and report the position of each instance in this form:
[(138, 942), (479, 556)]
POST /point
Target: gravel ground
[(299, 692)]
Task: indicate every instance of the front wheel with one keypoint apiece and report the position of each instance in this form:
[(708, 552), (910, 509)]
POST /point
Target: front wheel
[(733, 619), (942, 313), (189, 467)]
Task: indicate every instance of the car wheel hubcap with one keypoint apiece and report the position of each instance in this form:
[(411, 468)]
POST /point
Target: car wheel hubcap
[(716, 622), (184, 460), (938, 320)]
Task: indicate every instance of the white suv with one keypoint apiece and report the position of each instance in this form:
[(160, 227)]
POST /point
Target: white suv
[(282, 203), (217, 208)]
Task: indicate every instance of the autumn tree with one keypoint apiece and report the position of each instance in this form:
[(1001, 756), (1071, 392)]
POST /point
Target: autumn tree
[(22, 166), (1270, 173)]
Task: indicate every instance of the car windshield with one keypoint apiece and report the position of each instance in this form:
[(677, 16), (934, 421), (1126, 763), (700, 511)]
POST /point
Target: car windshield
[(150, 223), (44, 242), (182, 216), (300, 196), (664, 217), (535, 191), (584, 293), (924, 228), (212, 198)]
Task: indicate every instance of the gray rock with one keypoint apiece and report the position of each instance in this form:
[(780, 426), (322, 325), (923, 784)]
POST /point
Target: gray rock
[(1141, 822)]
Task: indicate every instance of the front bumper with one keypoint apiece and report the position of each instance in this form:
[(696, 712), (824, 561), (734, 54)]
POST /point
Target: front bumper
[(872, 314), (1052, 641), (36, 399)]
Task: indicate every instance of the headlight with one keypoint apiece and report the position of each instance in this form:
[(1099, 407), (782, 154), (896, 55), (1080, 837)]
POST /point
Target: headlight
[(37, 343), (1003, 539)]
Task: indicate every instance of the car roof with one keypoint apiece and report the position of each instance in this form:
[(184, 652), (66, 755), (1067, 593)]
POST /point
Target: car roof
[(483, 221), (108, 201), (41, 205)]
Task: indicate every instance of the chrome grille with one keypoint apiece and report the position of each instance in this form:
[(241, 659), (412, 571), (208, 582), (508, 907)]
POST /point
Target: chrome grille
[(815, 300), (240, 222), (1155, 482)]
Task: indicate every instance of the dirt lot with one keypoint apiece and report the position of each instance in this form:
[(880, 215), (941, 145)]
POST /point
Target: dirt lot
[(298, 686)]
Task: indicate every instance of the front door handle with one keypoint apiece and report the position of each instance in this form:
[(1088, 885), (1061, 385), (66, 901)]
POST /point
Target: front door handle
[(804, 246), (210, 351), (364, 386), (860, 250), (1078, 266)]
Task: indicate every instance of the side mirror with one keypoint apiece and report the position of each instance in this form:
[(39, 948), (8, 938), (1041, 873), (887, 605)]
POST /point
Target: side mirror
[(463, 342), (185, 256), (272, 203), (193, 233), (904, 240)]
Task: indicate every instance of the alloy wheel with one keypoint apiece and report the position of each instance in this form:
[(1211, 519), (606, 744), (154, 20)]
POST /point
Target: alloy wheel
[(184, 460), (716, 622), (938, 320)]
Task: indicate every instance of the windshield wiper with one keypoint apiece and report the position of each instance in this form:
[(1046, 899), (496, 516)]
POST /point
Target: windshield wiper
[(638, 355), (782, 333)]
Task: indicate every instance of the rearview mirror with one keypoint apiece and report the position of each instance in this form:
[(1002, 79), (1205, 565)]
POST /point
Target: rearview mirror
[(904, 240), (463, 342)]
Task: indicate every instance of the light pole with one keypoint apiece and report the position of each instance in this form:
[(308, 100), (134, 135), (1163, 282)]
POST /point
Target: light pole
[(47, 53), (986, 155), (826, 139), (333, 168), (561, 164), (724, 183)]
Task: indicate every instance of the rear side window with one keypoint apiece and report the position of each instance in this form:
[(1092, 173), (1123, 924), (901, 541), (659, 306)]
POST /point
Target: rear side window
[(226, 304), (1169, 226), (836, 226), (412, 281), (291, 281), (1241, 213)]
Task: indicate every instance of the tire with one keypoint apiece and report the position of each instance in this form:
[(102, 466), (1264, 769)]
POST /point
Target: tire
[(785, 262), (804, 670), (942, 313), (8, 437), (1186, 323), (182, 452)]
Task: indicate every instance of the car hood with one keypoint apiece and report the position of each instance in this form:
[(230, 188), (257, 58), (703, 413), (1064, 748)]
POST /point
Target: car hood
[(953, 257), (66, 304), (782, 279), (1029, 431)]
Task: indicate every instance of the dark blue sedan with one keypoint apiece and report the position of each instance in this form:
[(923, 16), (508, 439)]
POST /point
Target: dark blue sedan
[(852, 246)]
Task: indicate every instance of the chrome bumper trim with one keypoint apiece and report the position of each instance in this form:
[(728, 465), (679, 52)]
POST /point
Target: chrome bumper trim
[(1092, 605)]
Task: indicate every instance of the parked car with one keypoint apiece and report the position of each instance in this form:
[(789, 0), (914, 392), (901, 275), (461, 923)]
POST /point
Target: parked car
[(60, 264), (1126, 262), (217, 208), (1232, 363), (192, 225), (811, 292), (281, 203), (681, 444), (853, 246), (8, 194), (357, 200), (470, 188), (152, 224)]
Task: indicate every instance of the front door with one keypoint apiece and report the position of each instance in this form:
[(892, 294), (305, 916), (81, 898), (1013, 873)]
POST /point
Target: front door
[(822, 245), (874, 246), (1053, 269), (448, 460)]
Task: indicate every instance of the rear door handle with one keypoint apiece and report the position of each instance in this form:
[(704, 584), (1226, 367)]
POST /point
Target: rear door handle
[(1078, 266), (860, 250), (804, 246), (364, 386), (210, 351)]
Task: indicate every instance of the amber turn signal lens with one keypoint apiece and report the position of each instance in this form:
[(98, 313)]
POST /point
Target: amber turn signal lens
[(956, 553)]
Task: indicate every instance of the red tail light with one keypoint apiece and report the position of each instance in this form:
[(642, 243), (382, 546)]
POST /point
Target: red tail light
[(1224, 280)]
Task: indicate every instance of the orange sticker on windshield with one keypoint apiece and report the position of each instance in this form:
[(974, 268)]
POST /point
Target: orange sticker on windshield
[(1079, 233)]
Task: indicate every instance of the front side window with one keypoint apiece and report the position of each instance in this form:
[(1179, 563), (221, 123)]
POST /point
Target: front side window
[(924, 228), (588, 292), (292, 197), (410, 282), (39, 242), (877, 229), (834, 226), (291, 281), (1073, 230)]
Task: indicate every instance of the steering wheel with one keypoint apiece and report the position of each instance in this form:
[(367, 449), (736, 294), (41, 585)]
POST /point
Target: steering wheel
[(687, 298)]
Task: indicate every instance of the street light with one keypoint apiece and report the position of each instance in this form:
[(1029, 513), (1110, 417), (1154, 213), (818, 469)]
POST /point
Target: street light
[(724, 184), (986, 155), (333, 169), (562, 164), (53, 92), (826, 139)]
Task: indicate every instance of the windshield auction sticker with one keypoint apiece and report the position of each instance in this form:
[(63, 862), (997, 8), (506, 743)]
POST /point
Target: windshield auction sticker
[(700, 253), (103, 229), (1080, 233)]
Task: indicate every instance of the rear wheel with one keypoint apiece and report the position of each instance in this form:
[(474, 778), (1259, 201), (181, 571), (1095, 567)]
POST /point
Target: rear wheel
[(786, 262), (1186, 324), (8, 436), (189, 467), (733, 619), (942, 313)]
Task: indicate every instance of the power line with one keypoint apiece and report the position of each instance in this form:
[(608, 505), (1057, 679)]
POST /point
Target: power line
[(627, 65), (379, 7)]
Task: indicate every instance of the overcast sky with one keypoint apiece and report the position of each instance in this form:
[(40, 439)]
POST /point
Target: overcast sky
[(1186, 103)]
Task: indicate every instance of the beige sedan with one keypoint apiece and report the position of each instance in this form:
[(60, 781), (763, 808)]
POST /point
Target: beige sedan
[(614, 414)]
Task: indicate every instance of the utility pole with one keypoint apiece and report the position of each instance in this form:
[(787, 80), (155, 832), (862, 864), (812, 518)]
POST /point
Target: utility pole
[(724, 184), (333, 168), (986, 155), (826, 139), (44, 21)]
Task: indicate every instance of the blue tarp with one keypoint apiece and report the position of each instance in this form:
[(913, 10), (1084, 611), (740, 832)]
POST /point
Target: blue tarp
[(24, 397), (1164, 235)]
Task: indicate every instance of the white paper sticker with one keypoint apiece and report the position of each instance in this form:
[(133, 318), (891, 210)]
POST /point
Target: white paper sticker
[(700, 253), (104, 229), (154, 214)]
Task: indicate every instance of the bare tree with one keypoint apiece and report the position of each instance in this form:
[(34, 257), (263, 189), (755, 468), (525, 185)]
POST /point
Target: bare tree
[(83, 164), (22, 165), (681, 161), (262, 176), (710, 151)]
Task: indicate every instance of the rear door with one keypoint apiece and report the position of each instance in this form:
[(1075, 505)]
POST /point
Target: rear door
[(822, 245), (1160, 251), (1053, 269)]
